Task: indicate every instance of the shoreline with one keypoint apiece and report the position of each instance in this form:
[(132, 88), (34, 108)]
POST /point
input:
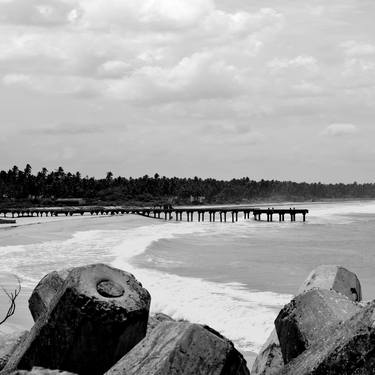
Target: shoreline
[(61, 229), (26, 221), (25, 235)]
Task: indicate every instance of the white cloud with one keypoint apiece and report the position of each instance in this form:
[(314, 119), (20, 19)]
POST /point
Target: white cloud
[(114, 69), (16, 79), (355, 48), (186, 63), (139, 50), (36, 12), (192, 78), (64, 85), (306, 62), (161, 14), (343, 129)]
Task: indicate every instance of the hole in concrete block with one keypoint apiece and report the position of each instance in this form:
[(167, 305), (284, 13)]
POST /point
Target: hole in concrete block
[(109, 289), (355, 296)]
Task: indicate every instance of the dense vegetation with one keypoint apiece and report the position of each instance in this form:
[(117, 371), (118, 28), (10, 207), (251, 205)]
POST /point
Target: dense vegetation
[(45, 187)]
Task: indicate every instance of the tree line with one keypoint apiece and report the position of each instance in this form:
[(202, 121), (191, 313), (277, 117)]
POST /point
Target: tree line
[(43, 187)]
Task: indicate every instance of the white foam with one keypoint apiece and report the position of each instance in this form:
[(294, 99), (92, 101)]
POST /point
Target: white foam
[(339, 213), (242, 315)]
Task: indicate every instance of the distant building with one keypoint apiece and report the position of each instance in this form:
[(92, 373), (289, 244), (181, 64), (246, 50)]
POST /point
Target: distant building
[(70, 201), (197, 199)]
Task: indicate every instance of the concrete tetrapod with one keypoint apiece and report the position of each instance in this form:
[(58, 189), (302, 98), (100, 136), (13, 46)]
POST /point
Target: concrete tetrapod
[(8, 344), (44, 292), (347, 350), (336, 278), (269, 360), (308, 317), (98, 315), (182, 348)]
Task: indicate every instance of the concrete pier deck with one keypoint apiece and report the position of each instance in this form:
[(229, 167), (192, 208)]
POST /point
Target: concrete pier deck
[(198, 213)]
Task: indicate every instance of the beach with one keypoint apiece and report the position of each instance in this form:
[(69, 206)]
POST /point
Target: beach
[(232, 276)]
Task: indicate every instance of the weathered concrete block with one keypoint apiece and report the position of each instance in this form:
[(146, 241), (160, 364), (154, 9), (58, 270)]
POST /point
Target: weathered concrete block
[(98, 315), (347, 350), (308, 317), (331, 277), (269, 361), (336, 278), (182, 348), (44, 292), (156, 319), (8, 344)]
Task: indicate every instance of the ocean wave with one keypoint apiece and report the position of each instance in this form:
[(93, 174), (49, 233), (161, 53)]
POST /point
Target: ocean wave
[(242, 315)]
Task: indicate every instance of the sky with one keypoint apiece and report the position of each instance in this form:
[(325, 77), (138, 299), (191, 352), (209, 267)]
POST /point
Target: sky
[(273, 89)]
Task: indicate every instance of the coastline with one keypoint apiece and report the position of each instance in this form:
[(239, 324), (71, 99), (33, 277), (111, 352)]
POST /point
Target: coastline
[(61, 231)]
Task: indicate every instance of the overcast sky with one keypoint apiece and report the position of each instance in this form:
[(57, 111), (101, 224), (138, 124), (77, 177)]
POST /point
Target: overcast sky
[(281, 89)]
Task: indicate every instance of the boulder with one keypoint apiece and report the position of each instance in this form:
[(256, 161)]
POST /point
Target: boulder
[(44, 292), (336, 278), (347, 350), (331, 277), (182, 348), (308, 317), (8, 344), (97, 316)]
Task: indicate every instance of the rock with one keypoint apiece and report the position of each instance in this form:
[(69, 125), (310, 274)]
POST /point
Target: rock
[(84, 331), (336, 278), (44, 292), (269, 361), (41, 371), (182, 348), (308, 317), (8, 344), (156, 319), (347, 350), (331, 277)]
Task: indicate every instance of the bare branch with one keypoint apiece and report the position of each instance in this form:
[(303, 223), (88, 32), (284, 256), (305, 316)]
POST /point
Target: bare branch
[(12, 298)]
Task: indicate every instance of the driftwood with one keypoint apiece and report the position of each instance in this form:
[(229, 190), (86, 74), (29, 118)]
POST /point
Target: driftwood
[(12, 298)]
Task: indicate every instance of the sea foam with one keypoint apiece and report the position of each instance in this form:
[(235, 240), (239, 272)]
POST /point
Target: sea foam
[(246, 316), (242, 315)]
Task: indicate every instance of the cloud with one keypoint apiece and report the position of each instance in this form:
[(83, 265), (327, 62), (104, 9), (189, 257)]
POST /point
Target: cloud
[(139, 51), (195, 77), (305, 62), (151, 14), (114, 69), (37, 12), (69, 129), (357, 48), (170, 67), (338, 130), (17, 79)]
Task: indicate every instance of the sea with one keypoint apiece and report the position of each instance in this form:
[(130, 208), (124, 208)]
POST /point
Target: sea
[(234, 277)]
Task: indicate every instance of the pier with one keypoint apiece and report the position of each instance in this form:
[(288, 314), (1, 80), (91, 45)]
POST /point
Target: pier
[(270, 212), (189, 214)]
